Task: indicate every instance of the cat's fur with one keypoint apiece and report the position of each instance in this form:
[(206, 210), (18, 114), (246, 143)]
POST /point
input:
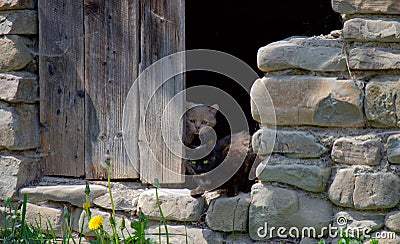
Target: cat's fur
[(197, 117), (237, 144)]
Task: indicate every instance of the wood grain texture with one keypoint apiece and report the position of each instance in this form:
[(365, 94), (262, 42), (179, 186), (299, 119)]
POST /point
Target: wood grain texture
[(111, 66), (162, 34), (62, 93), (91, 53)]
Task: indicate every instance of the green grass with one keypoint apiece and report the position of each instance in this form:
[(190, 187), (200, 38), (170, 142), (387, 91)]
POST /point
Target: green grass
[(348, 239), (17, 230)]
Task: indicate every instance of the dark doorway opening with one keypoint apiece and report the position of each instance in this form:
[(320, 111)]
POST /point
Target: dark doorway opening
[(240, 28)]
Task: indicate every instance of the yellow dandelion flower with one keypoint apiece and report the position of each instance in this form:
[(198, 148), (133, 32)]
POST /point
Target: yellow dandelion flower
[(95, 222)]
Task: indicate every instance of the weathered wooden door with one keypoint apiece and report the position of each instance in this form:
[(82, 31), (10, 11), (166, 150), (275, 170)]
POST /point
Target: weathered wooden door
[(90, 54)]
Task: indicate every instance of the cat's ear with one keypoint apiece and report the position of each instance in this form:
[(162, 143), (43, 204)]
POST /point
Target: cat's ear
[(214, 108), (190, 105)]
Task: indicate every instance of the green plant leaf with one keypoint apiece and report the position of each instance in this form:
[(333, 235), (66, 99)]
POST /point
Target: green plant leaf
[(135, 225), (373, 241)]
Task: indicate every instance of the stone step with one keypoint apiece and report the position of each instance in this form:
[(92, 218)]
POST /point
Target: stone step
[(74, 194)]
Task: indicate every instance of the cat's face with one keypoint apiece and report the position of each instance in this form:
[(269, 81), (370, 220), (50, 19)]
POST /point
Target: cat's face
[(201, 166), (200, 116)]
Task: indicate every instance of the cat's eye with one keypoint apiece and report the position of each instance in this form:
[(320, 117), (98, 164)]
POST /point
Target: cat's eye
[(205, 162), (204, 122), (193, 162), (192, 121)]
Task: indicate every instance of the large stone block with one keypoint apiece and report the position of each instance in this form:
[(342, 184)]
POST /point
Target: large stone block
[(16, 87), (17, 4), (392, 221), (306, 174), (296, 144), (307, 100), (381, 96), (366, 6), (372, 30), (365, 190), (229, 213), (362, 150), (18, 22), (15, 172), (276, 210), (376, 191), (342, 188), (14, 53), (175, 204), (363, 58), (50, 216), (301, 53), (19, 126)]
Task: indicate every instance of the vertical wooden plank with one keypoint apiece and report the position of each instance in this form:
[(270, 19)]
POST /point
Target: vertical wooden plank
[(162, 33), (111, 66), (61, 86)]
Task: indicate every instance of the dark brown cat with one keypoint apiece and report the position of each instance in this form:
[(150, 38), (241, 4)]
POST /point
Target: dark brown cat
[(237, 144)]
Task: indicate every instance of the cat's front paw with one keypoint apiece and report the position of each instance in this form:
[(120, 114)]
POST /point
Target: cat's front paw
[(197, 192)]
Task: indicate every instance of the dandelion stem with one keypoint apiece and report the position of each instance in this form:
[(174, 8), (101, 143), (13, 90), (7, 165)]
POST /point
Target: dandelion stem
[(161, 212), (114, 229)]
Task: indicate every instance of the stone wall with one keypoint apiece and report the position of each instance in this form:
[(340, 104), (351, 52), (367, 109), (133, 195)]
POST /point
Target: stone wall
[(336, 98), (335, 161), (19, 96)]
